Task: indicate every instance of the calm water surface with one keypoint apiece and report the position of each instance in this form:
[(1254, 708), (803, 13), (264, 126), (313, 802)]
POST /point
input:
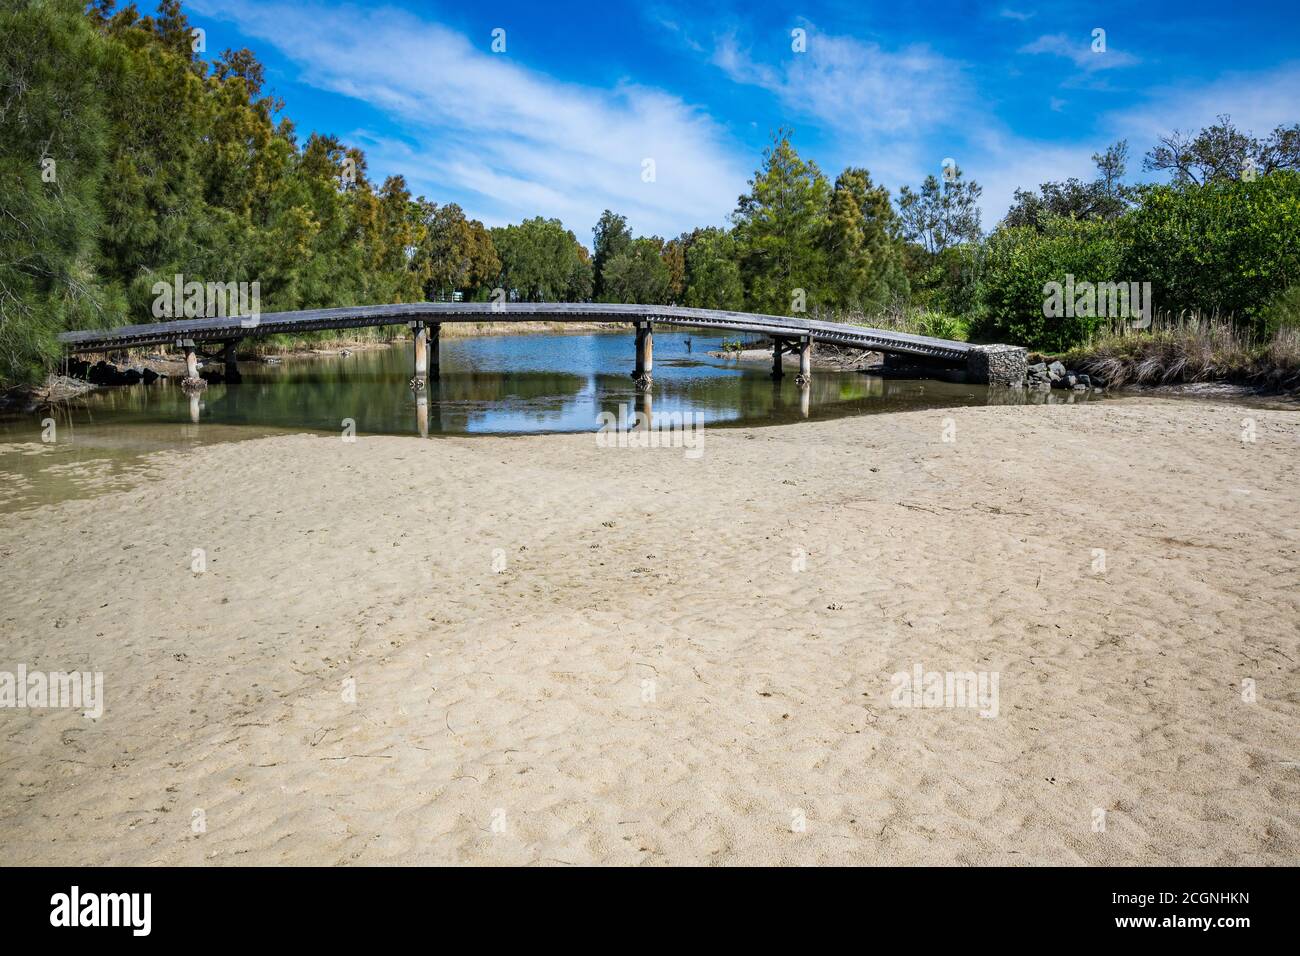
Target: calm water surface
[(488, 385)]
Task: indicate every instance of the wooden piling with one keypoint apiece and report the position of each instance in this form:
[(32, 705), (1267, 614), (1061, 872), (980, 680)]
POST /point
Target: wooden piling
[(421, 350), (422, 414), (435, 348), (645, 350), (778, 349), (228, 360), (805, 361)]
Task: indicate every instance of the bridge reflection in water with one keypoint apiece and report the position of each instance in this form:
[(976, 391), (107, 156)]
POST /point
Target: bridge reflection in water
[(519, 384)]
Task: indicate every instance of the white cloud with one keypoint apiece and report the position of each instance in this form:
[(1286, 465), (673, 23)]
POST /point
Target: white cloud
[(1080, 52), (886, 109), (1009, 14), (852, 85), (479, 122)]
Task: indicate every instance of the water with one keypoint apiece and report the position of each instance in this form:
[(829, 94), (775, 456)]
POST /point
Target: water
[(488, 385)]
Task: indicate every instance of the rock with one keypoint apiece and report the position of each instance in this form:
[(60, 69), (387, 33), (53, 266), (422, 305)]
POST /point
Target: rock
[(1055, 371), (149, 376), (102, 373), (1084, 379)]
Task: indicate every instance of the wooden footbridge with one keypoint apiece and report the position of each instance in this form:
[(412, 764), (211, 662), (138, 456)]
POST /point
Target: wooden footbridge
[(788, 335)]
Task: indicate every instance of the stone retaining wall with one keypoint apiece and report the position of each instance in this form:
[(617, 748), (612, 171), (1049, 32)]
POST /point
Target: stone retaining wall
[(997, 365)]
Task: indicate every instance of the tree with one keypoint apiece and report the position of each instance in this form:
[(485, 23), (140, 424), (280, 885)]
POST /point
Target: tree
[(1223, 152), (52, 131), (638, 275), (541, 261), (778, 228), (459, 251), (713, 272), (941, 216), (1105, 198), (243, 64), (610, 237), (1111, 167), (674, 256), (860, 243)]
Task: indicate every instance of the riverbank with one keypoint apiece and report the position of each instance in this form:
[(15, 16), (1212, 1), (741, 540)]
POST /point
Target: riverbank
[(538, 650), (1194, 355)]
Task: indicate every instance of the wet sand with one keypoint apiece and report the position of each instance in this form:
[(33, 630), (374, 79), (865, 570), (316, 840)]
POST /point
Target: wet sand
[(534, 650)]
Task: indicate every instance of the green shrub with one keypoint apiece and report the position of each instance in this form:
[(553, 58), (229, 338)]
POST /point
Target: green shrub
[(1016, 265), (940, 325), (1283, 312), (1229, 247)]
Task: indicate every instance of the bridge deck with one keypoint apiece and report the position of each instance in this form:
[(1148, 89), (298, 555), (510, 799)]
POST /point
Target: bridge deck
[(223, 329)]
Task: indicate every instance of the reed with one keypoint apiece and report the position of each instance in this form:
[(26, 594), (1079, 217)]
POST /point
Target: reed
[(1188, 347)]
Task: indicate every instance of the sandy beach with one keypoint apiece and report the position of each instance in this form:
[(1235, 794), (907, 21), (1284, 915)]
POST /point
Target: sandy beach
[(535, 650)]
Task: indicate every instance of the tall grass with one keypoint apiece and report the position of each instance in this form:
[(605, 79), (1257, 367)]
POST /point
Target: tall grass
[(1189, 347), (899, 317)]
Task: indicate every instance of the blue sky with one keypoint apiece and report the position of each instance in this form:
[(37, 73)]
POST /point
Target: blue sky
[(562, 122)]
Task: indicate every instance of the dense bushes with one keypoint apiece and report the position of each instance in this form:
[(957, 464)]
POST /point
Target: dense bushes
[(1228, 246), (1015, 265)]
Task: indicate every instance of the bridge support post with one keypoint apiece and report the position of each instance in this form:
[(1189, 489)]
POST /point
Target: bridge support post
[(421, 337), (228, 360), (435, 349), (805, 361), (191, 382), (778, 349), (645, 350), (422, 414)]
